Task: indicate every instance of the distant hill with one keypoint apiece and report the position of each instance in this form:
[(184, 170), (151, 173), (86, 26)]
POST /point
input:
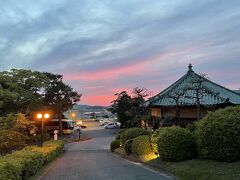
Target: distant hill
[(88, 107)]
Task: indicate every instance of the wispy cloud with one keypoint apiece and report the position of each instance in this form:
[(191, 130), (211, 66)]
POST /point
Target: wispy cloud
[(101, 46)]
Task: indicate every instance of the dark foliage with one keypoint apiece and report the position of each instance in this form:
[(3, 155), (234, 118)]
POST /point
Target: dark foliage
[(218, 135)]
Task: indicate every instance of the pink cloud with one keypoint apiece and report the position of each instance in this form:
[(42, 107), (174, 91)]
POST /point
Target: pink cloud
[(107, 74), (141, 67), (103, 100)]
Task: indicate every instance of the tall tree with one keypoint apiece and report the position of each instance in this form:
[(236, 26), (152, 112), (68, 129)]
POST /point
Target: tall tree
[(197, 90), (20, 90), (176, 97), (122, 106), (60, 97), (24, 91), (140, 108), (129, 109)]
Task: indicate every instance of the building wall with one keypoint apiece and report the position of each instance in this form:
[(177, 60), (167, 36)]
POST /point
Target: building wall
[(156, 112), (184, 112)]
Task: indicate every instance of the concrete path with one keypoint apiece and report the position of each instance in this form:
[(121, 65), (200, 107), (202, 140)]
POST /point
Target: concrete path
[(91, 160)]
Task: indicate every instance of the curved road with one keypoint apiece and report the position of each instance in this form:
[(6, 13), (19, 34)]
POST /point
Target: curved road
[(91, 160)]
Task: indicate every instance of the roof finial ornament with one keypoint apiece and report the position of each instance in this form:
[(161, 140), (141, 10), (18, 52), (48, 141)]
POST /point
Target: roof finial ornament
[(190, 68)]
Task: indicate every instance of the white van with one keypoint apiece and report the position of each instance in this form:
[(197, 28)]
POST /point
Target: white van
[(67, 125)]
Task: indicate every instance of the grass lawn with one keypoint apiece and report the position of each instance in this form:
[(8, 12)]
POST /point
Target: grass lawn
[(200, 169)]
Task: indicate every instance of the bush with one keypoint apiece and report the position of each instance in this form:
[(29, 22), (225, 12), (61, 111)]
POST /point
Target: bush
[(119, 134), (218, 135), (154, 140), (176, 144), (132, 133), (141, 145), (117, 137), (128, 146), (25, 163), (114, 145), (34, 139), (11, 140), (191, 127), (50, 150)]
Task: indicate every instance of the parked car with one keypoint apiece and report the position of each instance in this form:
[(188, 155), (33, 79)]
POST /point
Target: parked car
[(110, 126), (104, 122)]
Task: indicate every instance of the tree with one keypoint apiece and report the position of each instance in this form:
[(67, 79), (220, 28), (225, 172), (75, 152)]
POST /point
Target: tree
[(25, 91), (196, 90), (122, 106), (129, 109), (176, 96), (60, 97), (141, 110), (20, 90)]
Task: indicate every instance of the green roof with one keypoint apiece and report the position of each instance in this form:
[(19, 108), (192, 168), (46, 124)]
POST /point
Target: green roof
[(212, 93)]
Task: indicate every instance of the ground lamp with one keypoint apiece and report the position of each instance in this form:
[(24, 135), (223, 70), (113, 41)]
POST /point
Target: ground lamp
[(42, 117)]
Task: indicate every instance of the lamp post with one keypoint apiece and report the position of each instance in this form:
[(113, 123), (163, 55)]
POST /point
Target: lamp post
[(42, 117), (73, 116)]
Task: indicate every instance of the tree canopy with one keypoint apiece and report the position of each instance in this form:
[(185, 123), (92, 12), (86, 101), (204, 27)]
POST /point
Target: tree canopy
[(25, 91), (129, 109)]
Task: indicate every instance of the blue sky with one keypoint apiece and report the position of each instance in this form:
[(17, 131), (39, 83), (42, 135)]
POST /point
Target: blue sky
[(103, 47)]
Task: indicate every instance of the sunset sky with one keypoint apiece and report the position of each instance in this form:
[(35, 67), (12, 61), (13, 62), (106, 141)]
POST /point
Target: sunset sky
[(105, 46)]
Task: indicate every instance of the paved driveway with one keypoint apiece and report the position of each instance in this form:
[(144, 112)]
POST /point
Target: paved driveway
[(91, 160)]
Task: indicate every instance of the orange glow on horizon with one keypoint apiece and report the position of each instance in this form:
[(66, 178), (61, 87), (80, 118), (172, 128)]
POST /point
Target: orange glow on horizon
[(102, 100)]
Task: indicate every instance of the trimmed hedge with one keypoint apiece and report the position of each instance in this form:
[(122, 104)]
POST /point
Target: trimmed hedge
[(26, 162), (154, 140), (128, 146), (114, 145), (176, 144), (132, 133), (119, 134), (218, 135), (141, 145)]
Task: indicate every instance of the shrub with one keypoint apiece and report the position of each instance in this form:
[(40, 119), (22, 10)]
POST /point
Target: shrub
[(119, 134), (154, 140), (114, 145), (176, 144), (26, 162), (191, 127), (128, 146), (50, 150), (218, 135), (141, 145), (33, 139), (117, 137), (132, 133), (11, 140)]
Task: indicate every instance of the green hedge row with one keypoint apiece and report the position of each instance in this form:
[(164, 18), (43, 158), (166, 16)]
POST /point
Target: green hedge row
[(24, 163), (132, 133), (218, 135)]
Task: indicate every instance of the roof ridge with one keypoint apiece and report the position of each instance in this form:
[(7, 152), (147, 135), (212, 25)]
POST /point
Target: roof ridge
[(190, 73), (169, 87), (217, 84)]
